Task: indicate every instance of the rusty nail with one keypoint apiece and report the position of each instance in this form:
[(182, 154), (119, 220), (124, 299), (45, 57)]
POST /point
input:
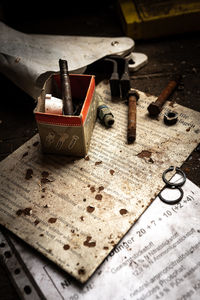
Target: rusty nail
[(133, 97)]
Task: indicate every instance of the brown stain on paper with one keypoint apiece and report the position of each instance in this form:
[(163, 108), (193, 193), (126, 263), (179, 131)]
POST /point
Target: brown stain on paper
[(81, 271), (98, 197), (123, 211), (44, 178), (52, 220), (35, 144), (90, 209), (88, 242), (26, 211), (144, 154), (29, 173), (25, 154), (45, 174), (112, 172), (66, 247), (98, 163), (101, 188), (36, 222), (92, 189)]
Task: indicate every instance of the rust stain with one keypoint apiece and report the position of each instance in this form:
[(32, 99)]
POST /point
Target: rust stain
[(188, 129), (98, 197), (66, 247), (45, 174), (26, 211), (84, 199), (81, 271), (110, 236), (36, 222), (52, 220), (112, 172), (29, 173), (19, 212), (82, 218), (144, 153), (90, 209), (89, 244), (44, 178), (46, 206), (123, 211), (101, 188), (151, 160), (25, 154), (92, 189), (87, 157), (35, 144), (98, 163), (105, 248)]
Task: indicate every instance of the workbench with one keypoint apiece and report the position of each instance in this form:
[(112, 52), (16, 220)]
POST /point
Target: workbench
[(166, 56)]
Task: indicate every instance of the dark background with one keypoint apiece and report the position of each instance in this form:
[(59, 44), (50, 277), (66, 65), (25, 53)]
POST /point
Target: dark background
[(166, 56)]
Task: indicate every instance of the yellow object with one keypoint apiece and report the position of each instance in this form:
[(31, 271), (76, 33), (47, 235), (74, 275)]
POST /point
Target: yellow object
[(142, 19)]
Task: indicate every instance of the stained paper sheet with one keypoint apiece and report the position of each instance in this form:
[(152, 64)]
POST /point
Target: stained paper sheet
[(157, 259), (76, 211)]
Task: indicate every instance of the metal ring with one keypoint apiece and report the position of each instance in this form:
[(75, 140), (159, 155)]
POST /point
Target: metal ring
[(168, 201), (179, 171)]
